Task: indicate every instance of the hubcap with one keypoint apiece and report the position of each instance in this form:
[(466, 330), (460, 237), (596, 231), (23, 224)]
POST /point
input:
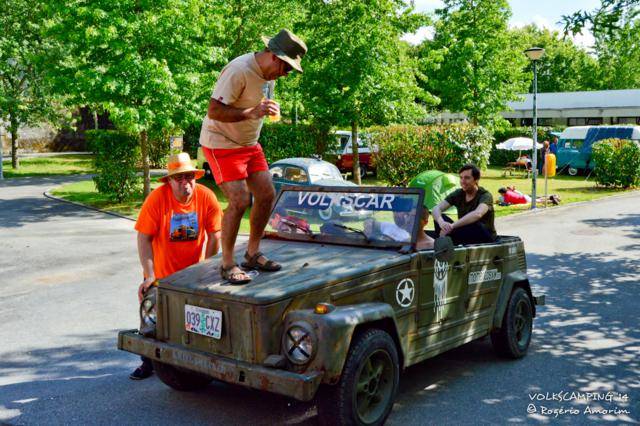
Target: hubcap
[(374, 385)]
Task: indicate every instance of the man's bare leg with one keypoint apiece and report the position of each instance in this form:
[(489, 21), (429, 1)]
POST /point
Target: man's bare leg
[(237, 195), (261, 187)]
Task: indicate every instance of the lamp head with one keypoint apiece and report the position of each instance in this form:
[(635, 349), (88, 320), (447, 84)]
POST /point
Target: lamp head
[(534, 53)]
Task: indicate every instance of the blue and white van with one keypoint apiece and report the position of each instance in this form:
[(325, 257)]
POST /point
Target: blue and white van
[(575, 145)]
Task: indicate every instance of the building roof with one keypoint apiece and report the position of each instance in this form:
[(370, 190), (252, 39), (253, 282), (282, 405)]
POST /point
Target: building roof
[(576, 100)]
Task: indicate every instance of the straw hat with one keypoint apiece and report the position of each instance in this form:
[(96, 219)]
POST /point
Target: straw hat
[(180, 163), (286, 46)]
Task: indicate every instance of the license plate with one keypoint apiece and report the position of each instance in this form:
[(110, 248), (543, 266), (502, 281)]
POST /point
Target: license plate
[(207, 322)]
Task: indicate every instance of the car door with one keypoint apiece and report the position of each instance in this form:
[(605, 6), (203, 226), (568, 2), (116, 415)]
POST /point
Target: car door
[(485, 269), (442, 289)]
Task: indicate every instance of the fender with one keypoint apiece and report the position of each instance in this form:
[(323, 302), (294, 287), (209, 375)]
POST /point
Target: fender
[(334, 331), (505, 291)]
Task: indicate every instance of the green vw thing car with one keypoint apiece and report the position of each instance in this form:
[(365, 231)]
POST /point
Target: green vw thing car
[(354, 304)]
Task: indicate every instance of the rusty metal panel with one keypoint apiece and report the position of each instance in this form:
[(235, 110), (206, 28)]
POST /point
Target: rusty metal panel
[(299, 386)]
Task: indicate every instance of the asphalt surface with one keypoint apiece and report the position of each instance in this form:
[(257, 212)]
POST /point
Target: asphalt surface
[(68, 277)]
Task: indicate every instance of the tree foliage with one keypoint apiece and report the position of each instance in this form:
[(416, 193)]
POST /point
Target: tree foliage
[(565, 66), (145, 62), (619, 57), (23, 97), (603, 20), (474, 64)]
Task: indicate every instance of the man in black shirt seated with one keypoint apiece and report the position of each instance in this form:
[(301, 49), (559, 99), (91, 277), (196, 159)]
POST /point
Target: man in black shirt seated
[(475, 224)]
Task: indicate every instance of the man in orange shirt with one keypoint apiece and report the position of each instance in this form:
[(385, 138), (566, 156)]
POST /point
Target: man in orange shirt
[(179, 225)]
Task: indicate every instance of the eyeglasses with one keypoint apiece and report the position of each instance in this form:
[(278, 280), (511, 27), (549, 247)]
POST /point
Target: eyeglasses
[(184, 176)]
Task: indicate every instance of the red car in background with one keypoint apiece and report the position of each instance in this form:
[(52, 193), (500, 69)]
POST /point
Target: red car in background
[(344, 161)]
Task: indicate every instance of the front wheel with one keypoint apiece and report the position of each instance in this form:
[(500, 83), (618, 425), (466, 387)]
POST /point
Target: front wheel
[(363, 171), (513, 338), (180, 378), (368, 385), (573, 171)]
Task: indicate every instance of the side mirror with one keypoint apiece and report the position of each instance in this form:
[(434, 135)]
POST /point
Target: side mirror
[(443, 249)]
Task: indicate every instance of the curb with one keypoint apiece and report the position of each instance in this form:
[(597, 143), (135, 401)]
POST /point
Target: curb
[(47, 194)]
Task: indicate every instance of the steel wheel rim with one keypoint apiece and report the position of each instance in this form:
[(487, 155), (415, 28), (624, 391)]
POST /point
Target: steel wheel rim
[(522, 323), (374, 385)]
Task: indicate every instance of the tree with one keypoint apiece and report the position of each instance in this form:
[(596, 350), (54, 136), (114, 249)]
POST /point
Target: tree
[(619, 57), (474, 65), (22, 98), (357, 70), (606, 19), (565, 67), (148, 63)]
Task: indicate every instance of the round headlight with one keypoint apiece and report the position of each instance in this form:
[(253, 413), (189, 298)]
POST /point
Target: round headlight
[(299, 343), (148, 313)]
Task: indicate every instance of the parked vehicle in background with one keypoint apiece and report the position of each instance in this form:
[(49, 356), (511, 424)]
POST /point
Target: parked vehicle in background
[(344, 149), (354, 305), (203, 164), (575, 145), (306, 171)]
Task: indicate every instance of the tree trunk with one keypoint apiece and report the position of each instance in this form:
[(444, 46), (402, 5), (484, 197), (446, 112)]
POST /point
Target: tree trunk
[(356, 155), (13, 128), (144, 149), (95, 120)]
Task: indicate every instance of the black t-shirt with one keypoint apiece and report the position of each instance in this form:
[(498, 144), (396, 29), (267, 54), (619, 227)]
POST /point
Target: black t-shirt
[(458, 199)]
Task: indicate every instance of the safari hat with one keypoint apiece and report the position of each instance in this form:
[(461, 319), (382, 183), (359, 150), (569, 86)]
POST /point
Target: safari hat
[(286, 46), (180, 163)]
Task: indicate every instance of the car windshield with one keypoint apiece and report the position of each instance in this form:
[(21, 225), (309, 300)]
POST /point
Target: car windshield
[(324, 171), (371, 217)]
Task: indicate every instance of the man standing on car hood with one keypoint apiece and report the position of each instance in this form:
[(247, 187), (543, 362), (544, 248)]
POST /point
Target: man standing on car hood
[(229, 139)]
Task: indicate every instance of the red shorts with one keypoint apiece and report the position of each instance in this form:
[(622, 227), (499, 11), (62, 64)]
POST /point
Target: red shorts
[(235, 164)]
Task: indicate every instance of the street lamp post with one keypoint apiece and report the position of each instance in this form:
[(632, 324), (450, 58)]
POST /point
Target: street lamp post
[(534, 54)]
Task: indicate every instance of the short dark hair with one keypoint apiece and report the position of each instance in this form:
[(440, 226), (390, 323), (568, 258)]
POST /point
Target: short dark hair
[(475, 171), (502, 190)]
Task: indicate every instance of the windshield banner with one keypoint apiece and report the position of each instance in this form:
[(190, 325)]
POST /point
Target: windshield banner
[(372, 201)]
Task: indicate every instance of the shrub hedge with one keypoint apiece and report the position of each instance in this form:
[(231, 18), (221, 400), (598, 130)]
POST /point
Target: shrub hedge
[(115, 158), (282, 140), (405, 151), (617, 162)]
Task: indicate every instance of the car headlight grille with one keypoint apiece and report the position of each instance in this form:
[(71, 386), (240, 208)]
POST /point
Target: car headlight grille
[(299, 344)]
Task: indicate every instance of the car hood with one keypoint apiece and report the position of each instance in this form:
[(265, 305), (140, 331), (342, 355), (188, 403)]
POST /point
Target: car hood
[(333, 182), (305, 267)]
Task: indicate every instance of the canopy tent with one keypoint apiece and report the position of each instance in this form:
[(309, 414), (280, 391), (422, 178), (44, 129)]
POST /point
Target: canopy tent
[(517, 144), (437, 185)]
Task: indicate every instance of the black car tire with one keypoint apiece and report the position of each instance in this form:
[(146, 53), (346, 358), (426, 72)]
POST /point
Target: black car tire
[(368, 385), (180, 378), (513, 338), (363, 171), (207, 171)]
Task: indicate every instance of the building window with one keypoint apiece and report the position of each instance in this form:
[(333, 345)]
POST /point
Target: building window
[(545, 121), (627, 120), (526, 122), (576, 121), (594, 120)]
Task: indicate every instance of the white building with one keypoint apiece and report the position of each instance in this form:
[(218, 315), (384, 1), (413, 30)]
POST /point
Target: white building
[(570, 109)]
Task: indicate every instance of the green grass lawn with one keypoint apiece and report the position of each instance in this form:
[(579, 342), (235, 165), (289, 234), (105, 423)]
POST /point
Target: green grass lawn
[(570, 189), (49, 166)]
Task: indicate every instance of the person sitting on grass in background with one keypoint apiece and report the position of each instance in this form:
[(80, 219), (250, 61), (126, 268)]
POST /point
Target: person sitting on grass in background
[(510, 196), (178, 225), (475, 224)]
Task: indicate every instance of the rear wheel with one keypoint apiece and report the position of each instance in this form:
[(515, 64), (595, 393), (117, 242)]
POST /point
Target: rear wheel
[(363, 171), (207, 171), (180, 378), (368, 385), (513, 338), (573, 171)]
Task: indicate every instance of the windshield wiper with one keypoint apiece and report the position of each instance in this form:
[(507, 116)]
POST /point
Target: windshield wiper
[(293, 224), (348, 228)]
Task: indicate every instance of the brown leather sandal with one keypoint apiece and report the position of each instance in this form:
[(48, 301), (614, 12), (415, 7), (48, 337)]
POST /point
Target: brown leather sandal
[(234, 277), (252, 263)]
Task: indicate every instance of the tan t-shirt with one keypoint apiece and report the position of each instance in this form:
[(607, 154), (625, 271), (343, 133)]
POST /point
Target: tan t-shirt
[(239, 85)]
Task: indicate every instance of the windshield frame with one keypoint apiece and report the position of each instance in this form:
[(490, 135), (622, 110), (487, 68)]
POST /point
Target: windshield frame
[(338, 240)]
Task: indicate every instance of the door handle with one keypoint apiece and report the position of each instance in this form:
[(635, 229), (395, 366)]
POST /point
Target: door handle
[(458, 266), (498, 260)]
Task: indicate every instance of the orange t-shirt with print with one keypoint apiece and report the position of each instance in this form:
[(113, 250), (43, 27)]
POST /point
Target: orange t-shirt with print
[(179, 230)]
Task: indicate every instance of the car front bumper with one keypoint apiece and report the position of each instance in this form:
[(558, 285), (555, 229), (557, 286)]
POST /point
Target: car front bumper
[(302, 387)]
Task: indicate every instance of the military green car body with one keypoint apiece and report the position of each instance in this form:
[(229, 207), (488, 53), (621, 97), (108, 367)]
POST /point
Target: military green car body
[(427, 304)]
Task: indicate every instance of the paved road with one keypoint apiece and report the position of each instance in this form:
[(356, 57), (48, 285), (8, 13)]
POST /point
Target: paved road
[(68, 279)]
